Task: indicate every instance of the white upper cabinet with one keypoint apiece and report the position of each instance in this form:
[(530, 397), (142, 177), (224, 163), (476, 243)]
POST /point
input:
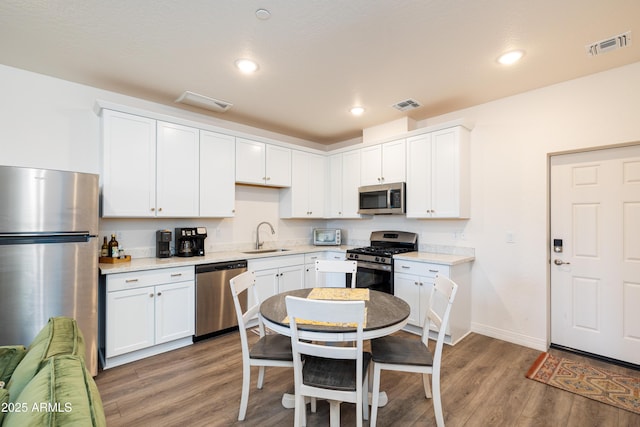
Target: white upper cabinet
[(384, 163), (217, 174), (305, 197), (343, 172), (438, 174), (177, 171), (150, 167), (262, 164), (129, 168)]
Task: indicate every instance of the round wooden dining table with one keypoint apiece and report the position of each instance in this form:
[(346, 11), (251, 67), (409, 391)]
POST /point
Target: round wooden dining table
[(386, 314)]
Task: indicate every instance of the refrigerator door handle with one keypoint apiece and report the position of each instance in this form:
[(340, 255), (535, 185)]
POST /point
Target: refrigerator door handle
[(32, 238)]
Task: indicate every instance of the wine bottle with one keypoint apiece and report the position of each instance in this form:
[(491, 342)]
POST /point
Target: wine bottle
[(105, 248), (113, 247)]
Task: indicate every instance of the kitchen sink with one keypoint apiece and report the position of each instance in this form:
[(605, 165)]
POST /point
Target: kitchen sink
[(265, 251)]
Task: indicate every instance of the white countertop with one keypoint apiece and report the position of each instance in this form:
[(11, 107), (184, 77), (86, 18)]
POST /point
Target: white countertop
[(138, 264), (447, 259)]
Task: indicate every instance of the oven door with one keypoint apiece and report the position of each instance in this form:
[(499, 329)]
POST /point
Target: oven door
[(378, 277)]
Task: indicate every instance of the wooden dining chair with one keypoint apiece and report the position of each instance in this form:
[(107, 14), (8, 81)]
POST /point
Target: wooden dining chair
[(396, 353), (336, 373), (335, 266), (269, 350)]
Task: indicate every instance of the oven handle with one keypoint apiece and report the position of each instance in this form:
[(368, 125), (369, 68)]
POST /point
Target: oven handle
[(374, 266)]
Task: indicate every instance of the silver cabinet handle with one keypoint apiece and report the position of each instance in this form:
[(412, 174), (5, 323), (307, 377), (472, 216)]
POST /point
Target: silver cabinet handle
[(150, 295), (560, 262), (176, 275), (405, 267), (159, 293), (130, 280), (433, 271)]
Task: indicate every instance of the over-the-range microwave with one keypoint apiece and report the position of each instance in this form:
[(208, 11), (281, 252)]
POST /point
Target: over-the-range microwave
[(382, 199)]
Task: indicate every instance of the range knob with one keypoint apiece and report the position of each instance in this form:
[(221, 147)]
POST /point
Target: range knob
[(377, 259)]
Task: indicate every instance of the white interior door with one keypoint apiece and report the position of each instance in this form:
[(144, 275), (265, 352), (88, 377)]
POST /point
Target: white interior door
[(595, 276)]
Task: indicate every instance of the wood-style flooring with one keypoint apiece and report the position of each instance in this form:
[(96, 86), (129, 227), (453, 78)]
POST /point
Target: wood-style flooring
[(483, 384)]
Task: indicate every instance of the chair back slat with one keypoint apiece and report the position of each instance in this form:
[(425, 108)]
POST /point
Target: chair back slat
[(336, 266)]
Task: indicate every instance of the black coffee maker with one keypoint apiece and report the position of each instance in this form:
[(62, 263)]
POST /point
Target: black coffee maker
[(163, 243), (190, 241)]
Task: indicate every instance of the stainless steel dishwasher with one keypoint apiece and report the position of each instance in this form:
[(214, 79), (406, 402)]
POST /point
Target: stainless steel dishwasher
[(214, 304)]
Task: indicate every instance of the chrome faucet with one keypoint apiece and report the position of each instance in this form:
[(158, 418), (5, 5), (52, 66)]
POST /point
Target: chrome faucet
[(258, 244)]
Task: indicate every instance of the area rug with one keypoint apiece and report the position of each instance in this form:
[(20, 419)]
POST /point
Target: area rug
[(594, 383)]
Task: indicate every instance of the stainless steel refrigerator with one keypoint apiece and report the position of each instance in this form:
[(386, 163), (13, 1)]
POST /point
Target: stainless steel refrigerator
[(48, 253)]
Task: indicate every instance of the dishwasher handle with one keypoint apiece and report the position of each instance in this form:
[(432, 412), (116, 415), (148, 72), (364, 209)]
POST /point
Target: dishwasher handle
[(219, 266)]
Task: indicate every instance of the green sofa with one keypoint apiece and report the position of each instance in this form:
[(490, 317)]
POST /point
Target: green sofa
[(48, 384)]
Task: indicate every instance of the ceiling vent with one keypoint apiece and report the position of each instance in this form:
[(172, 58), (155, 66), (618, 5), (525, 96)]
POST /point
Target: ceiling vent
[(205, 102), (610, 44), (407, 104)]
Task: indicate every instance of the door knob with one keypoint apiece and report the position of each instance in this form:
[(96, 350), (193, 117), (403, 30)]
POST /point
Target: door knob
[(560, 262)]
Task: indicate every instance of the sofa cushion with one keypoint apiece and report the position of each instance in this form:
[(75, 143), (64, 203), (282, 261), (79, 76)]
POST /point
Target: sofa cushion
[(10, 356), (62, 393), (4, 399), (60, 335)]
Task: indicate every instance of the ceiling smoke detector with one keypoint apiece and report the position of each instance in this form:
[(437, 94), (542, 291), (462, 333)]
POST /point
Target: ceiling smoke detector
[(407, 104), (610, 44), (197, 100)]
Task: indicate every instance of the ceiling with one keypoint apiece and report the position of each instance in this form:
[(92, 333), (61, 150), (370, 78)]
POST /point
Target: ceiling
[(316, 59)]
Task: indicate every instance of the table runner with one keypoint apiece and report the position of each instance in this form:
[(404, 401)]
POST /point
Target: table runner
[(336, 294)]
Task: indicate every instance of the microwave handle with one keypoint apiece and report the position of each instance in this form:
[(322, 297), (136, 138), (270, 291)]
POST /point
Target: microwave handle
[(389, 198)]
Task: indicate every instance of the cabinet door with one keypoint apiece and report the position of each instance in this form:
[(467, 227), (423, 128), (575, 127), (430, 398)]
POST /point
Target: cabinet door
[(129, 168), (174, 311), (294, 201), (394, 162), (419, 176), (250, 161), (129, 320), (446, 174), (370, 165), (407, 287), (177, 172), (316, 185), (310, 275), (351, 182), (217, 175), (334, 188), (291, 278), (278, 166), (266, 285)]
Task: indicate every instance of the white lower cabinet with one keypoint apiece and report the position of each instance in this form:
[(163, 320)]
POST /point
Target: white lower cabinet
[(276, 274), (413, 282), (147, 313)]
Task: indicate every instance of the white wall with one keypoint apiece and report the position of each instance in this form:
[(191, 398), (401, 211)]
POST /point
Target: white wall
[(510, 141), (46, 122)]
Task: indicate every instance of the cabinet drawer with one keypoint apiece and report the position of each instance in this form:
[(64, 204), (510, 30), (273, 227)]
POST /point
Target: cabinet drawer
[(313, 257), (275, 262), (137, 279), (420, 268)]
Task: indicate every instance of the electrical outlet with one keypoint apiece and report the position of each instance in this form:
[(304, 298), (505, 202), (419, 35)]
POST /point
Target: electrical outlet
[(459, 235), (511, 238)]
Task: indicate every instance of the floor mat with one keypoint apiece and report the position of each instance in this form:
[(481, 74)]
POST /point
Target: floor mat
[(599, 384)]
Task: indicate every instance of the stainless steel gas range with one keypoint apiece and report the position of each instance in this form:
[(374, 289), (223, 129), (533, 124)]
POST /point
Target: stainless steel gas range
[(375, 262)]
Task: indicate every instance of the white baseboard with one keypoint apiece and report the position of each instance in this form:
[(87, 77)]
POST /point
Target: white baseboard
[(509, 336)]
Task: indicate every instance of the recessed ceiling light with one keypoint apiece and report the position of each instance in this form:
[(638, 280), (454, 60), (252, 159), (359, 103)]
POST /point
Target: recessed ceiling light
[(246, 66), (511, 57), (357, 111)]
